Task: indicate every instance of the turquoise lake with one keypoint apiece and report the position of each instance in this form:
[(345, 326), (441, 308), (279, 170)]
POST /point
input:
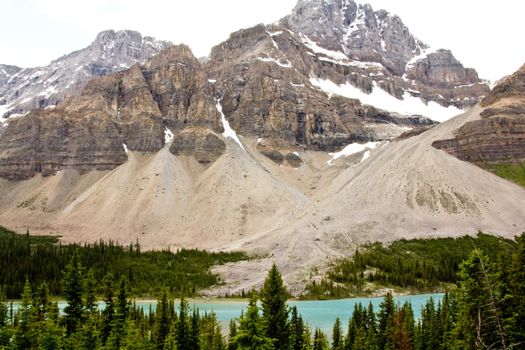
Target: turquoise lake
[(317, 313)]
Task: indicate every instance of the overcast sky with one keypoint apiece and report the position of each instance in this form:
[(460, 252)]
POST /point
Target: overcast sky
[(486, 35)]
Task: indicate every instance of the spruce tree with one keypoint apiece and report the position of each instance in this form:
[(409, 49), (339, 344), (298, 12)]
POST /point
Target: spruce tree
[(108, 314), (73, 290), (275, 309), (232, 334), (182, 326), (24, 337), (479, 323), (194, 341), (386, 316), (337, 338), (250, 334), (161, 325), (296, 330), (320, 342), (517, 290), (90, 299)]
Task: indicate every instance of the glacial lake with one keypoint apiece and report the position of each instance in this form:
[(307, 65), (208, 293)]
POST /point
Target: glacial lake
[(316, 313)]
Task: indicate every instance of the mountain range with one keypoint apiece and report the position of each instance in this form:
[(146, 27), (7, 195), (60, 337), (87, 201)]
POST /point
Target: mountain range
[(296, 141)]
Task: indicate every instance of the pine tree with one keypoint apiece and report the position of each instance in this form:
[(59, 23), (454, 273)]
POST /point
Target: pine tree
[(386, 316), (182, 326), (90, 299), (210, 334), (296, 331), (24, 337), (134, 339), (108, 314), (517, 290), (194, 342), (233, 332), (118, 326), (337, 338), (5, 333), (89, 337), (320, 342), (73, 283), (250, 334), (275, 309), (161, 326), (479, 323)]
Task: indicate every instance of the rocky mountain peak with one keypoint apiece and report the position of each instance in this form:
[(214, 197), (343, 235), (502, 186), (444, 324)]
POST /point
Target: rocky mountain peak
[(40, 87), (357, 30)]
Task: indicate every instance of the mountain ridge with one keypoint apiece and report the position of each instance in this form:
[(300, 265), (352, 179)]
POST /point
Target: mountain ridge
[(45, 86)]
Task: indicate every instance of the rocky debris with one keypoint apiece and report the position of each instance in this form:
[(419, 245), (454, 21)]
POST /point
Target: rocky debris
[(274, 155), (6, 72), (293, 160), (499, 135), (40, 87), (204, 145)]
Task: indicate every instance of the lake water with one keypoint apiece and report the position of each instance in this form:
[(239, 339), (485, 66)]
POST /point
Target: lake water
[(317, 313)]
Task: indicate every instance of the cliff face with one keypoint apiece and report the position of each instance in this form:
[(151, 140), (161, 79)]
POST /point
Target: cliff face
[(499, 135), (132, 110), (330, 74)]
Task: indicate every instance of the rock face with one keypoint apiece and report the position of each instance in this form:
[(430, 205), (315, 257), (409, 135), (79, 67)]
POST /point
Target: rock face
[(364, 35), (317, 80), (130, 110), (264, 76), (24, 89), (499, 135)]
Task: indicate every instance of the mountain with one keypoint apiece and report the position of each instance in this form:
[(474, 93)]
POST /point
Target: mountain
[(499, 135), (24, 89), (356, 31), (280, 143)]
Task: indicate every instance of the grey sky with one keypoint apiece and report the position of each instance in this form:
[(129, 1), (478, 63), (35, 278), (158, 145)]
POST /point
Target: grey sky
[(483, 34)]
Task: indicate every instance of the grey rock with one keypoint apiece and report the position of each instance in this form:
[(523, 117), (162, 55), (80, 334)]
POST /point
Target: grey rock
[(45, 86)]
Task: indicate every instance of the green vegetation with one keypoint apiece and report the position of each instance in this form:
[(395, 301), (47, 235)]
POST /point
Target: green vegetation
[(43, 259), (514, 172), (485, 310), (417, 265)]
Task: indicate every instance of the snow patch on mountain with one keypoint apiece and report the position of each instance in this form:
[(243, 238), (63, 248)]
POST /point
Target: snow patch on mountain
[(351, 149), (312, 45), (168, 136), (228, 131), (381, 99), (273, 60)]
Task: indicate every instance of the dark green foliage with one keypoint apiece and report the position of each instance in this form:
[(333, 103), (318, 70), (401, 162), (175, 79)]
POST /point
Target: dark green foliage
[(251, 334), (42, 259), (182, 327), (516, 280), (297, 331), (419, 265), (162, 322), (337, 336), (479, 318), (320, 342), (484, 310), (73, 282), (275, 309)]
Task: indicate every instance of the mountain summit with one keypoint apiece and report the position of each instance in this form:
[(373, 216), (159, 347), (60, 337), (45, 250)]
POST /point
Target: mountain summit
[(24, 89)]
